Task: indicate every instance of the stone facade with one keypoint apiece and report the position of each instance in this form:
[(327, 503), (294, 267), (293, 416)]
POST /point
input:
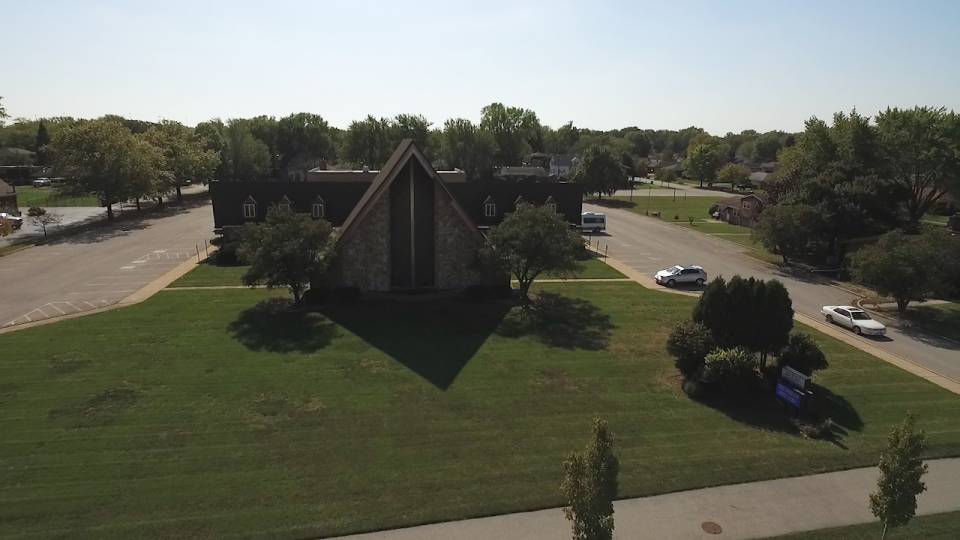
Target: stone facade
[(456, 247), (363, 261)]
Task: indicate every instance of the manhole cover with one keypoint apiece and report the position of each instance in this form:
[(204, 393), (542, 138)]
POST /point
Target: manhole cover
[(710, 527)]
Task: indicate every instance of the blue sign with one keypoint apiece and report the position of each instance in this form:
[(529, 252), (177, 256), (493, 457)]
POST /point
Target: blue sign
[(789, 395)]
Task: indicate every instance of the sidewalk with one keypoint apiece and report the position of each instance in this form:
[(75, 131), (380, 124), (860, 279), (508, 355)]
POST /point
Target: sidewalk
[(754, 510)]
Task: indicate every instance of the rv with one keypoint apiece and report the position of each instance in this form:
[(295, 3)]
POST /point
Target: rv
[(591, 222)]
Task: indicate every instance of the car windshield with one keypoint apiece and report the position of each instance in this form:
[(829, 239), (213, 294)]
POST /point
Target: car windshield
[(675, 269), (860, 315)]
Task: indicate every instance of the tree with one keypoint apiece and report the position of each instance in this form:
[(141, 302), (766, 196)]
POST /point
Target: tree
[(533, 240), (287, 250), (105, 159), (245, 157), (789, 230), (514, 129), (562, 140), (590, 486), (410, 126), (466, 147), (713, 310), (733, 174), (901, 469), (42, 140), (3, 112), (802, 354), (40, 217), (599, 172), (774, 318), (368, 141), (901, 266), (665, 175), (303, 136), (183, 156), (921, 149), (689, 343), (702, 163)]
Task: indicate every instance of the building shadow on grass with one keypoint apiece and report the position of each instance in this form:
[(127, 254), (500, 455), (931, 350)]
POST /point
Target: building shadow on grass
[(434, 338), (271, 325), (611, 203), (561, 321)]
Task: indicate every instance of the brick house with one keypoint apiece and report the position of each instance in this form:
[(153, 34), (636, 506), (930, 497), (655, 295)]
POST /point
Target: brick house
[(404, 227), (740, 210)]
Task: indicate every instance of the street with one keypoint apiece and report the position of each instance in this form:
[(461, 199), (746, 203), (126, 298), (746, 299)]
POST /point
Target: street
[(648, 244), (101, 266)]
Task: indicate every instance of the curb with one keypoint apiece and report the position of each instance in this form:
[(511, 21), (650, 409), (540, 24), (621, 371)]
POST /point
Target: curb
[(136, 297), (884, 316)]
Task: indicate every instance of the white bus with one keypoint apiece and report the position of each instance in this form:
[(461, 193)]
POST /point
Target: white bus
[(593, 222)]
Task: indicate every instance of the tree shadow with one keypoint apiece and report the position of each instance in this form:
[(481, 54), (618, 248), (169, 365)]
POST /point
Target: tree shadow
[(561, 321), (97, 229), (611, 203), (434, 338), (271, 325)]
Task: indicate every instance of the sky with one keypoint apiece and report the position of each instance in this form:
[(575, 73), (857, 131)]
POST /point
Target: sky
[(721, 65)]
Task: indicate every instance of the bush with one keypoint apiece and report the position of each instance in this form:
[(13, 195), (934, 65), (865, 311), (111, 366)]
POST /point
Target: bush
[(730, 370), (689, 343), (820, 430), (802, 354)]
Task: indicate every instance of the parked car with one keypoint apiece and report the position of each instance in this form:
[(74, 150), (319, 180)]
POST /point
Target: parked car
[(593, 222), (677, 275), (41, 182), (16, 221), (853, 318)]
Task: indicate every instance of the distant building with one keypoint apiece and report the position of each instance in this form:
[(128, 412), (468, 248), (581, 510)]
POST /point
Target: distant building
[(740, 210), (8, 199), (523, 174), (556, 165), (406, 226)]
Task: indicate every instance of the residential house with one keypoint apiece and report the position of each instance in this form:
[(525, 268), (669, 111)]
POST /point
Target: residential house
[(8, 199), (742, 210), (404, 227), (523, 174)]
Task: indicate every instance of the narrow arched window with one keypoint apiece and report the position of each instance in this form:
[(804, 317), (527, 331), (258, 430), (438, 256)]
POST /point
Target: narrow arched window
[(250, 208), (551, 204), (319, 208), (489, 207), (284, 203)]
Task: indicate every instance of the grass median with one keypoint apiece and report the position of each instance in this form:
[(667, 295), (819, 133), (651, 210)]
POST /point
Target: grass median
[(218, 413), (28, 196)]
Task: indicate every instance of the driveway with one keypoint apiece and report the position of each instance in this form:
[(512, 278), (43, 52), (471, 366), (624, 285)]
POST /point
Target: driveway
[(102, 266), (648, 244)]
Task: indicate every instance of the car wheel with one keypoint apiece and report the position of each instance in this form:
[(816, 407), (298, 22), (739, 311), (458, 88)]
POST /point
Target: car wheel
[(700, 282), (829, 319), (857, 330), (671, 283)]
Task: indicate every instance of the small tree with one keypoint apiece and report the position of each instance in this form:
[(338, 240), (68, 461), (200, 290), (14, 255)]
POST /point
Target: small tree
[(599, 172), (590, 486), (287, 250), (665, 175), (774, 319), (789, 230), (702, 163), (899, 265), (531, 241), (733, 174), (713, 310), (40, 217), (802, 354), (901, 467), (689, 343), (731, 370)]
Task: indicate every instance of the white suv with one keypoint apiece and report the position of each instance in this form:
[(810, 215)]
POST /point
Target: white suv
[(677, 275)]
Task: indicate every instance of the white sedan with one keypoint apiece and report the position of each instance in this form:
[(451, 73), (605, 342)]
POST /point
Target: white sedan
[(853, 318)]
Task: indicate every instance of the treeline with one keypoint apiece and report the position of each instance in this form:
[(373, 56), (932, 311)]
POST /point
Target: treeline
[(265, 147)]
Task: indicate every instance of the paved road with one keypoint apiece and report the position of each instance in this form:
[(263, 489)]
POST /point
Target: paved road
[(753, 510), (99, 267), (648, 245), (72, 215), (668, 189)]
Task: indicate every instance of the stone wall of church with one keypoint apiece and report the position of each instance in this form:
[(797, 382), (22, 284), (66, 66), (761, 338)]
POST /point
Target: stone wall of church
[(456, 248), (363, 260)]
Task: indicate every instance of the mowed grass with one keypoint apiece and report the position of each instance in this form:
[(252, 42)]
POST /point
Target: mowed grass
[(210, 414), (209, 274), (28, 196), (941, 319), (945, 526)]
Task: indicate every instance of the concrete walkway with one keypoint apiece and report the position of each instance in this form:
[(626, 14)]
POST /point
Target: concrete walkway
[(754, 510)]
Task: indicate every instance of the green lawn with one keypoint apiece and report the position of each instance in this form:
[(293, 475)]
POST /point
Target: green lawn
[(681, 210), (211, 275), (942, 220), (944, 526), (213, 414), (942, 319), (28, 196)]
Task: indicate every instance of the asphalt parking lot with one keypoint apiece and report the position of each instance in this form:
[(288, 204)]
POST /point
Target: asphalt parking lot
[(101, 266)]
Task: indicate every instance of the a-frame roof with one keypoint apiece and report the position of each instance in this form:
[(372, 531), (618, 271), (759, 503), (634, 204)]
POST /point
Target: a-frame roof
[(406, 150)]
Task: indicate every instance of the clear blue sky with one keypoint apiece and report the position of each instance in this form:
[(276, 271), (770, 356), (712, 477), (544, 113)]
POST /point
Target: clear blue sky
[(724, 66)]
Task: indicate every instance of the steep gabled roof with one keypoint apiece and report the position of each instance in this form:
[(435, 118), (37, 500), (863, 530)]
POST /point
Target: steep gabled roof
[(405, 151)]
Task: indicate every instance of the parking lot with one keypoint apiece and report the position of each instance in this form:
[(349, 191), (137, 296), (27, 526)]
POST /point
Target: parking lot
[(99, 267)]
